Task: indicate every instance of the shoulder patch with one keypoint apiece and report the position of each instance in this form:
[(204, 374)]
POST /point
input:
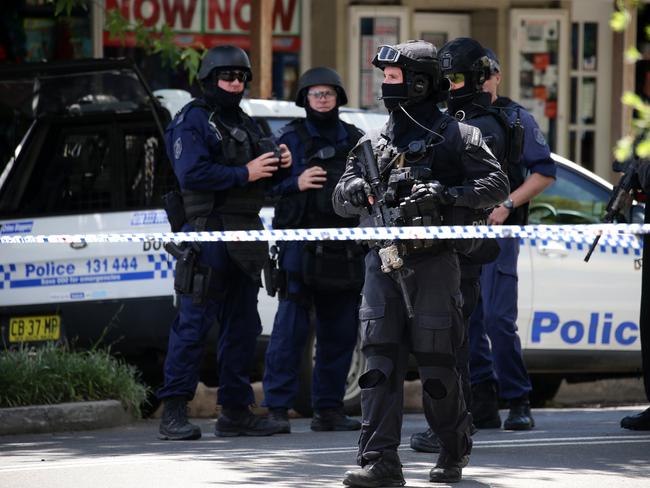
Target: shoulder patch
[(178, 148), (539, 137), (473, 136)]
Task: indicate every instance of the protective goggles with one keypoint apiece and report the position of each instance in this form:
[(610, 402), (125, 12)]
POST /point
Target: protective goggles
[(233, 75), (320, 94), (456, 77), (387, 54)]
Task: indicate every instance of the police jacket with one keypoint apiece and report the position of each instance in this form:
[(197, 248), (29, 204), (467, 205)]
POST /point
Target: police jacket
[(459, 159), (476, 112), (312, 208), (535, 155), (209, 157), (209, 152)]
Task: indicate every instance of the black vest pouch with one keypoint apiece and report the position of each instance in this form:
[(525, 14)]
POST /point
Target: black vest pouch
[(474, 251), (290, 211), (249, 256), (333, 266)]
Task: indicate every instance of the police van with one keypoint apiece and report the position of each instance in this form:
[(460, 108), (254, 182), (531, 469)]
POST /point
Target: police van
[(90, 159)]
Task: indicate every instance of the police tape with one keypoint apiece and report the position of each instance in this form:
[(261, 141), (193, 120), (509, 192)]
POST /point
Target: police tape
[(613, 235)]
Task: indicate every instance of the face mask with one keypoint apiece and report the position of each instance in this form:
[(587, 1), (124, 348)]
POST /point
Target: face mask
[(392, 94)]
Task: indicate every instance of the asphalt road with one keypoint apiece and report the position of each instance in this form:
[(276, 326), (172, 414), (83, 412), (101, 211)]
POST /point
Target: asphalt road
[(569, 447)]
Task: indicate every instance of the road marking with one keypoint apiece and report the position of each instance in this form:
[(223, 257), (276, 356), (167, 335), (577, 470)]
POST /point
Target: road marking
[(225, 454)]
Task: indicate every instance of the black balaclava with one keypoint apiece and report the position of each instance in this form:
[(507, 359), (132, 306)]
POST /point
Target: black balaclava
[(326, 123), (402, 130), (224, 103), (459, 99), (393, 94)]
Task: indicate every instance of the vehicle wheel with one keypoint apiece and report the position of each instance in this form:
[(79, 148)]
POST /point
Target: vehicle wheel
[(544, 388), (352, 397)]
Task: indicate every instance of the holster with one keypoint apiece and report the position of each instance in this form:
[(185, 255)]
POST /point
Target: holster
[(192, 277), (173, 204), (274, 278)]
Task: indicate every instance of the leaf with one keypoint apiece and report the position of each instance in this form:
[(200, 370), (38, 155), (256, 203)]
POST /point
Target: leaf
[(631, 99), (643, 148), (632, 54), (191, 60), (623, 149), (619, 20), (116, 25)]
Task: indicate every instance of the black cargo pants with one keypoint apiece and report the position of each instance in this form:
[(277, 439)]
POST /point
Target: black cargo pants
[(433, 336)]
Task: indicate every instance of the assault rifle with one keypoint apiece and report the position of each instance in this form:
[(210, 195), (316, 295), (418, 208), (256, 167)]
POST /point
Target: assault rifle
[(385, 215), (621, 195)]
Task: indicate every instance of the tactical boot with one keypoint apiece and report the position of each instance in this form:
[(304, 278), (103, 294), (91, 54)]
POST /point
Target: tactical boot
[(281, 417), (234, 422), (425, 442), (448, 470), (379, 469), (333, 419), (485, 406), (519, 417), (174, 425), (639, 421)]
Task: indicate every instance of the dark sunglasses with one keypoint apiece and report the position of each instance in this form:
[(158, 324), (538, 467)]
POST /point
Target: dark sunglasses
[(232, 76)]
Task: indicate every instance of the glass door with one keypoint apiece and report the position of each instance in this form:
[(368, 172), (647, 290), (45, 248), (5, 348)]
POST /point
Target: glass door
[(371, 27), (539, 70)]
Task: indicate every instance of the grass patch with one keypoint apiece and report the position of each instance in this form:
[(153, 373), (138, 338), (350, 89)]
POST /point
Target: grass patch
[(55, 374)]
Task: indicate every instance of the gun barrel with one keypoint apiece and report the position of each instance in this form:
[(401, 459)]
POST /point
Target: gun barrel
[(405, 294)]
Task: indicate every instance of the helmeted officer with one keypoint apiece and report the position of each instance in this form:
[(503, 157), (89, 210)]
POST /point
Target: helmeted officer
[(216, 151), (456, 171), (466, 66), (530, 170), (325, 275)]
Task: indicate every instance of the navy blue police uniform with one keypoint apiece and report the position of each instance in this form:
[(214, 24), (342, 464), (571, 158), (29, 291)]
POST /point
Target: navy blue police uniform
[(496, 315), (335, 306), (195, 146)]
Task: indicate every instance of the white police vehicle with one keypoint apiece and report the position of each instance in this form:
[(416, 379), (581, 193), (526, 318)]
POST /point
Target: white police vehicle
[(91, 160)]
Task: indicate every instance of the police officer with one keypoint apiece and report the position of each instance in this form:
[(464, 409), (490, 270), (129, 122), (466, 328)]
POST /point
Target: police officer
[(466, 66), (218, 157), (456, 170), (325, 275), (641, 420), (500, 360)]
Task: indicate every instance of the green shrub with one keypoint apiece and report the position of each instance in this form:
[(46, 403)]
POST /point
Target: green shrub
[(56, 374)]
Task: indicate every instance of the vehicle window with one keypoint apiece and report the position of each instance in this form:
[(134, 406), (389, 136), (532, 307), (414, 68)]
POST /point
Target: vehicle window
[(72, 173), (572, 199), (147, 170), (277, 123)]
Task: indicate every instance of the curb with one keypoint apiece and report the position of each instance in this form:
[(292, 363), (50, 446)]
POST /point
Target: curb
[(39, 419)]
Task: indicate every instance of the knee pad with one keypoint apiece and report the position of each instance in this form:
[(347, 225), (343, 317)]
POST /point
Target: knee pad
[(435, 388), (378, 370)]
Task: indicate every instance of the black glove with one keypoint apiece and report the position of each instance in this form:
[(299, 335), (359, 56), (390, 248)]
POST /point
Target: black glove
[(356, 192), (433, 190)]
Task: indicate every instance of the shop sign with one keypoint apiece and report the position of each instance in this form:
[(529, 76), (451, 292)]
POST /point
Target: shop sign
[(199, 21)]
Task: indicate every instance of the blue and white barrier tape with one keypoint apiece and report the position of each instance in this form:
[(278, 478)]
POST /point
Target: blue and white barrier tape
[(615, 235)]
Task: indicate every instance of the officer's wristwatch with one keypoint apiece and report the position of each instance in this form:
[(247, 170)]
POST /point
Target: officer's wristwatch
[(509, 205)]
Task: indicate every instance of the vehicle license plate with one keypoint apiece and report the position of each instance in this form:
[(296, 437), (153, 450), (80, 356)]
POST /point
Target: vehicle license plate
[(37, 328)]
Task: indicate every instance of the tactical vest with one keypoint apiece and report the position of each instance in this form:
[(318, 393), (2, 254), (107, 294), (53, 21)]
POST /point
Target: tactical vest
[(422, 155), (236, 208), (313, 208), (514, 141)]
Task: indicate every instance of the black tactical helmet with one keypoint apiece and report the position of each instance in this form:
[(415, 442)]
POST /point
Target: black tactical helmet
[(320, 76), (224, 57), (415, 58), (466, 55)]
